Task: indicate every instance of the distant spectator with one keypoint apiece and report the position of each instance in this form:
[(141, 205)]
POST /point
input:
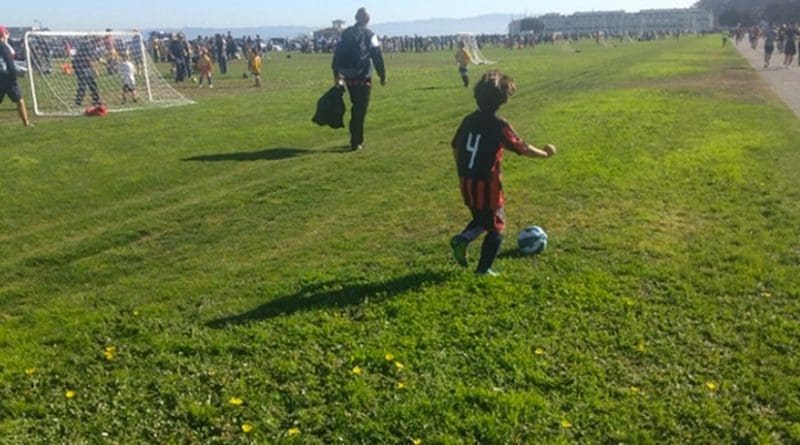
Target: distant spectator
[(220, 54), (8, 77)]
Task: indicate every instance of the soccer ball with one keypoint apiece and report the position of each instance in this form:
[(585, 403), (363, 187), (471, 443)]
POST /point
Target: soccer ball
[(532, 240)]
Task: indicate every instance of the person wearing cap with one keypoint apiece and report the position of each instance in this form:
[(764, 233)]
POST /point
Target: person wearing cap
[(358, 50), (8, 77)]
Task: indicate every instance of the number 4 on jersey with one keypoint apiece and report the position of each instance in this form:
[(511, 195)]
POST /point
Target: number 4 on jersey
[(472, 147)]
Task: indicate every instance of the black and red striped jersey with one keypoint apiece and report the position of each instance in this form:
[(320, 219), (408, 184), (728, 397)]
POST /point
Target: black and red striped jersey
[(479, 144)]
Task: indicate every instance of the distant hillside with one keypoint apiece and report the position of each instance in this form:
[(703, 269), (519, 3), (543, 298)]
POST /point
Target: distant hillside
[(485, 24)]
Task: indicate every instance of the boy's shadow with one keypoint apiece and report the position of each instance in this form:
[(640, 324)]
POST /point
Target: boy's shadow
[(329, 295), (270, 154)]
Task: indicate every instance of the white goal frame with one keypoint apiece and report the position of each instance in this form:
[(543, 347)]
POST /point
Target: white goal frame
[(471, 46), (152, 89)]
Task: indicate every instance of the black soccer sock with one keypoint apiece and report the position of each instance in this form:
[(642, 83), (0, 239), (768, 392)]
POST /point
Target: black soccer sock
[(489, 251)]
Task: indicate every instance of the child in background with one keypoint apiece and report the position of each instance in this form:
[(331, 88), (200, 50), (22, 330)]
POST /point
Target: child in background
[(255, 66), (127, 72), (463, 59), (478, 150), (204, 66)]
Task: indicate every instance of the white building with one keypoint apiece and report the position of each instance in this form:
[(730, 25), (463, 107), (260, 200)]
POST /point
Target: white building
[(621, 22)]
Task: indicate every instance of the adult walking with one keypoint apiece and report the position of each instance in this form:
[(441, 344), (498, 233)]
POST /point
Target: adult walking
[(8, 77), (358, 50), (790, 48)]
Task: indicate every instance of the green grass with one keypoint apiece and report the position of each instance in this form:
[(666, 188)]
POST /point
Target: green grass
[(233, 249)]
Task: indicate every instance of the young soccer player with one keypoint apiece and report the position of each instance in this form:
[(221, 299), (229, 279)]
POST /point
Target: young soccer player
[(463, 59), (127, 72), (478, 150), (255, 66), (205, 65)]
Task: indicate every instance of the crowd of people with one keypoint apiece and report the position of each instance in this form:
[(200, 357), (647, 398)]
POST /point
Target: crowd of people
[(781, 38)]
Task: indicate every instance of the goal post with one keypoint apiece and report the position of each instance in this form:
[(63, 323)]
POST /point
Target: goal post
[(70, 71), (472, 48)]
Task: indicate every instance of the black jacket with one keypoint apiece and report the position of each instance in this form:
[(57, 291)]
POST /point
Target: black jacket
[(355, 54), (330, 108)]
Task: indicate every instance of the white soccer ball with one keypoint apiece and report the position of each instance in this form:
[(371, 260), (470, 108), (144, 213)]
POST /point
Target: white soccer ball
[(532, 240)]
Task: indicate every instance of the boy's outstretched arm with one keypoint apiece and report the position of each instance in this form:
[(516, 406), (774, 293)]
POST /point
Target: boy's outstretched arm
[(534, 152)]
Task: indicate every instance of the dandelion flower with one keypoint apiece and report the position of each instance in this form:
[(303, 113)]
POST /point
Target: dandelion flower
[(30, 371), (70, 394), (566, 424), (389, 357), (400, 385), (357, 370), (640, 346), (539, 351), (399, 366), (293, 431), (712, 386), (416, 441), (235, 401), (247, 427)]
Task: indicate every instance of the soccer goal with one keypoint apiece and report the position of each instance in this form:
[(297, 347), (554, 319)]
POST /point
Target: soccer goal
[(71, 71), (474, 51)]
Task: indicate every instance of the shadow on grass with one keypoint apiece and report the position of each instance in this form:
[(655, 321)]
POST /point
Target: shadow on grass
[(270, 154), (331, 295)]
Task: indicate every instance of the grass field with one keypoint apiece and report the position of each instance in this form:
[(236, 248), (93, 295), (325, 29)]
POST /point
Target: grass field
[(227, 273)]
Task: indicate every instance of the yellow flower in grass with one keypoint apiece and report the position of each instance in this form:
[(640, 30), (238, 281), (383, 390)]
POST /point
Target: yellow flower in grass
[(247, 427), (293, 431), (110, 352), (566, 424), (357, 370), (400, 385), (416, 441), (712, 385), (30, 371), (640, 346), (70, 394), (389, 357), (235, 401), (399, 366), (539, 351)]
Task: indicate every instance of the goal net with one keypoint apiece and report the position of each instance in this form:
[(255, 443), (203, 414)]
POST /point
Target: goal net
[(474, 51), (71, 71)]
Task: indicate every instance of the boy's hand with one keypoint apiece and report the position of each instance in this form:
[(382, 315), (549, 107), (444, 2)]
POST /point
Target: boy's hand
[(550, 149)]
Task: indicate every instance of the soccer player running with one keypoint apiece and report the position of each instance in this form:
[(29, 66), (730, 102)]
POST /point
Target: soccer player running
[(358, 49), (8, 77), (478, 150)]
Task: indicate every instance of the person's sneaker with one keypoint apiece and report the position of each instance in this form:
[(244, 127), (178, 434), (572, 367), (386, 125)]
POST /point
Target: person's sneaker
[(357, 147), (459, 246), (487, 273)]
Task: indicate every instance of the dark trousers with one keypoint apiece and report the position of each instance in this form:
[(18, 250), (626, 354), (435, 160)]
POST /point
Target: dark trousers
[(359, 96), (86, 80)]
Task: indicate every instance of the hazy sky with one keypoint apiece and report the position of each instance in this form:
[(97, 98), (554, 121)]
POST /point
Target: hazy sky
[(84, 15)]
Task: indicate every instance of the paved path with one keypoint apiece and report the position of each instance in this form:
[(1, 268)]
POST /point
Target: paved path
[(784, 81)]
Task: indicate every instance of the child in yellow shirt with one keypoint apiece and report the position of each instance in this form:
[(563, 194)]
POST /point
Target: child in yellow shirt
[(255, 66)]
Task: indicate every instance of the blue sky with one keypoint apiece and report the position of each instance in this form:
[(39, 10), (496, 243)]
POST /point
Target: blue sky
[(84, 15)]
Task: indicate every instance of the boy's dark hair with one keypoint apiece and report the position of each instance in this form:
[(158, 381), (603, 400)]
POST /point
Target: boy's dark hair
[(493, 89)]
